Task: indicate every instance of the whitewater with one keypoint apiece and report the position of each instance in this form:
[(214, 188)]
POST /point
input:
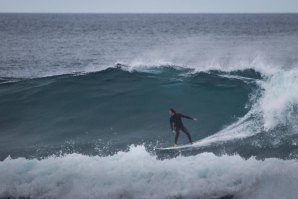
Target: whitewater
[(138, 174)]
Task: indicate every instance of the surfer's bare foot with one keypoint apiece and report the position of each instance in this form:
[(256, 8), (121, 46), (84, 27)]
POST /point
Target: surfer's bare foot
[(175, 145)]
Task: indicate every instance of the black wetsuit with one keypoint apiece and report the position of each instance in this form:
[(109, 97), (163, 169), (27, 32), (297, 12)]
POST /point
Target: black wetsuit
[(177, 125)]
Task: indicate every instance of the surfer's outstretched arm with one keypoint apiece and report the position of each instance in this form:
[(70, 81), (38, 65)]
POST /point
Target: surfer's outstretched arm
[(185, 116)]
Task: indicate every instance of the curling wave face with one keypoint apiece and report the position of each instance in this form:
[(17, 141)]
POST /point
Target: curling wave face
[(78, 113), (85, 110)]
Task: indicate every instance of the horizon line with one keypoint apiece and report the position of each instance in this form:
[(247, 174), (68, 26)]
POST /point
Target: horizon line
[(148, 12)]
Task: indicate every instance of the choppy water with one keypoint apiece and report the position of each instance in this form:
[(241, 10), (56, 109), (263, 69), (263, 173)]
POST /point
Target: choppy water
[(84, 102)]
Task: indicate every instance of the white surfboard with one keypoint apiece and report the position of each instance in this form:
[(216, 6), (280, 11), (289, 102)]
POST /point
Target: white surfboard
[(176, 147), (215, 138)]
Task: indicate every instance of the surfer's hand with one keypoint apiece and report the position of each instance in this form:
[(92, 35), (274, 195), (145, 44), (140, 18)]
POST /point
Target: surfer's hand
[(173, 131), (195, 119)]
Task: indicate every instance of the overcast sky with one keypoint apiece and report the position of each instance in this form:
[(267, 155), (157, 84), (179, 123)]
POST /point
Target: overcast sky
[(150, 6)]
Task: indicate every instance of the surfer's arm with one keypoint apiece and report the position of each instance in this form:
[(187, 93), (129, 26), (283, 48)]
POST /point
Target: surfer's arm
[(171, 124), (185, 116)]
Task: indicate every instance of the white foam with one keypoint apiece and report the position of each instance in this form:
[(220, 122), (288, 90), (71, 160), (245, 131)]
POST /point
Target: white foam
[(280, 99), (247, 126), (137, 174)]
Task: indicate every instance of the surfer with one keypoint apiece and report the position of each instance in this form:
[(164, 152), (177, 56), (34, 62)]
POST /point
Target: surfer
[(177, 125)]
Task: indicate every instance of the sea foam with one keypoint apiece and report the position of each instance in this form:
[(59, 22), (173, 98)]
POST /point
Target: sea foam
[(139, 174)]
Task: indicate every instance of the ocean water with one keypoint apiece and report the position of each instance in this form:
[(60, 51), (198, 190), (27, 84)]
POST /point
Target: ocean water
[(84, 102)]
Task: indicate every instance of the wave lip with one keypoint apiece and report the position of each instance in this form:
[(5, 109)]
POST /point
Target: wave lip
[(137, 174)]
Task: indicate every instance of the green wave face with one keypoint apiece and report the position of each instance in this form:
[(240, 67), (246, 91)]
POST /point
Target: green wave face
[(119, 107)]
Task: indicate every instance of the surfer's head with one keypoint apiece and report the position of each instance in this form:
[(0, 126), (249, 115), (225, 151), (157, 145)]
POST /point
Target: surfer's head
[(172, 111)]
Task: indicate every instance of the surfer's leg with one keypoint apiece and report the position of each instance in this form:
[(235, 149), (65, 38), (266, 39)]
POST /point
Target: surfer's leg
[(177, 131), (187, 133)]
